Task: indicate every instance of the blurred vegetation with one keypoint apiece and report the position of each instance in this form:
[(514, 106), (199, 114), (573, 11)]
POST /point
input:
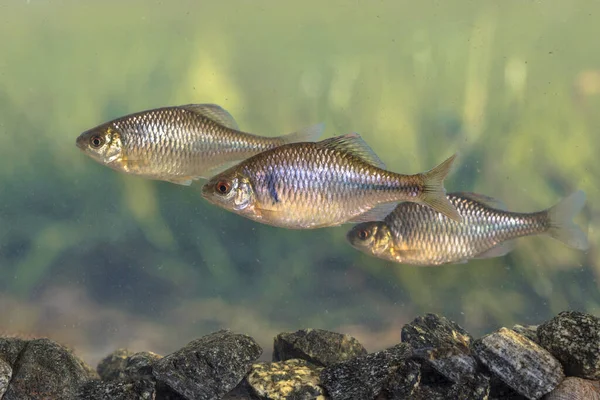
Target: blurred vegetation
[(514, 88)]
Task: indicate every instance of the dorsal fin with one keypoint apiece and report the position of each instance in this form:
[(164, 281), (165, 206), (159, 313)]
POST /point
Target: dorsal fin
[(354, 144), (483, 199), (213, 112)]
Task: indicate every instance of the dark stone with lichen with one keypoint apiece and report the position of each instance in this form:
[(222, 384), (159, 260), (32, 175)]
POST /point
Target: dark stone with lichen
[(573, 388), (522, 364), (317, 346), (574, 339), (123, 365), (243, 391), (443, 344), (290, 379), (140, 365), (111, 367), (5, 375), (118, 390), (529, 331), (471, 388), (403, 382), (10, 348), (363, 377), (209, 367), (499, 390), (45, 369)]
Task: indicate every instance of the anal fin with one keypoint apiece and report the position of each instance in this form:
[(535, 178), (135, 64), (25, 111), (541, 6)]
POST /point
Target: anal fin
[(377, 213), (501, 249)]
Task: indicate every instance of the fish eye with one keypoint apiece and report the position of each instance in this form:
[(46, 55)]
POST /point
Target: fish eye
[(363, 234), (223, 187), (96, 141)]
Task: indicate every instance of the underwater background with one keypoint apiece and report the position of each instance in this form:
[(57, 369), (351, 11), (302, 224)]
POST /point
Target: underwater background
[(97, 259)]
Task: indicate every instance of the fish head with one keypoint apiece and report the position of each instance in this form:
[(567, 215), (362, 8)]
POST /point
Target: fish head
[(372, 238), (231, 190), (102, 143)]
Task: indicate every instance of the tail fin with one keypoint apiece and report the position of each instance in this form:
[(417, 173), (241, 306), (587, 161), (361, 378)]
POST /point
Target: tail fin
[(562, 226), (309, 134), (434, 193)]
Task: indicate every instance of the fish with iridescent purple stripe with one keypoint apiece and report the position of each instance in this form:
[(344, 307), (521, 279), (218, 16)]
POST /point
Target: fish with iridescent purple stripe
[(323, 184), (417, 235)]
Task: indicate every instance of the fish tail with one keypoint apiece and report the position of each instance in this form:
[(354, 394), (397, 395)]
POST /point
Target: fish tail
[(434, 193), (309, 134), (562, 226)]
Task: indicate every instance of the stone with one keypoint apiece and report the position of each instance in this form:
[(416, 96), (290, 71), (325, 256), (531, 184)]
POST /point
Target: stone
[(296, 379), (10, 348), (317, 346), (403, 382), (441, 343), (5, 375), (209, 367), (140, 365), (522, 364), (476, 387), (499, 390), (574, 339), (470, 388), (111, 367), (529, 331), (46, 369), (243, 391), (117, 390), (573, 388), (363, 377)]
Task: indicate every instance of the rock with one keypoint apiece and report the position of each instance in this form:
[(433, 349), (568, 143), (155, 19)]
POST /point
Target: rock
[(470, 388), (111, 367), (574, 339), (403, 382), (10, 348), (296, 379), (519, 362), (46, 369), (475, 387), (529, 331), (443, 344), (572, 388), (5, 375), (140, 365), (117, 390), (209, 367), (363, 377), (123, 365), (499, 390), (317, 346), (243, 391)]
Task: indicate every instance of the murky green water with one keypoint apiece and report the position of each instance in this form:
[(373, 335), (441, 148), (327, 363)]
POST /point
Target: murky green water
[(98, 260)]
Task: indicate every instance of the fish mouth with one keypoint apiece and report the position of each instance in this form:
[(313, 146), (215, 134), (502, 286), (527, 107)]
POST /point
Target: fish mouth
[(81, 142), (205, 190)]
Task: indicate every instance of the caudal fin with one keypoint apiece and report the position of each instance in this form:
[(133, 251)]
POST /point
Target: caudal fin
[(434, 193), (309, 134), (562, 226)]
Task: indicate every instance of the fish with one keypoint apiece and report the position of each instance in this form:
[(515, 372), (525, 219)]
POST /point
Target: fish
[(323, 184), (179, 144), (417, 235)]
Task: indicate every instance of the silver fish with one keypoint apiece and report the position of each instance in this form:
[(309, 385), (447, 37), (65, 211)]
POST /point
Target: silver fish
[(413, 234), (322, 184), (179, 144)]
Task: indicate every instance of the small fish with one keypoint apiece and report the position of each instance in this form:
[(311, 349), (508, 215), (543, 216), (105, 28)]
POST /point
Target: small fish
[(179, 144), (323, 184), (413, 234)]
